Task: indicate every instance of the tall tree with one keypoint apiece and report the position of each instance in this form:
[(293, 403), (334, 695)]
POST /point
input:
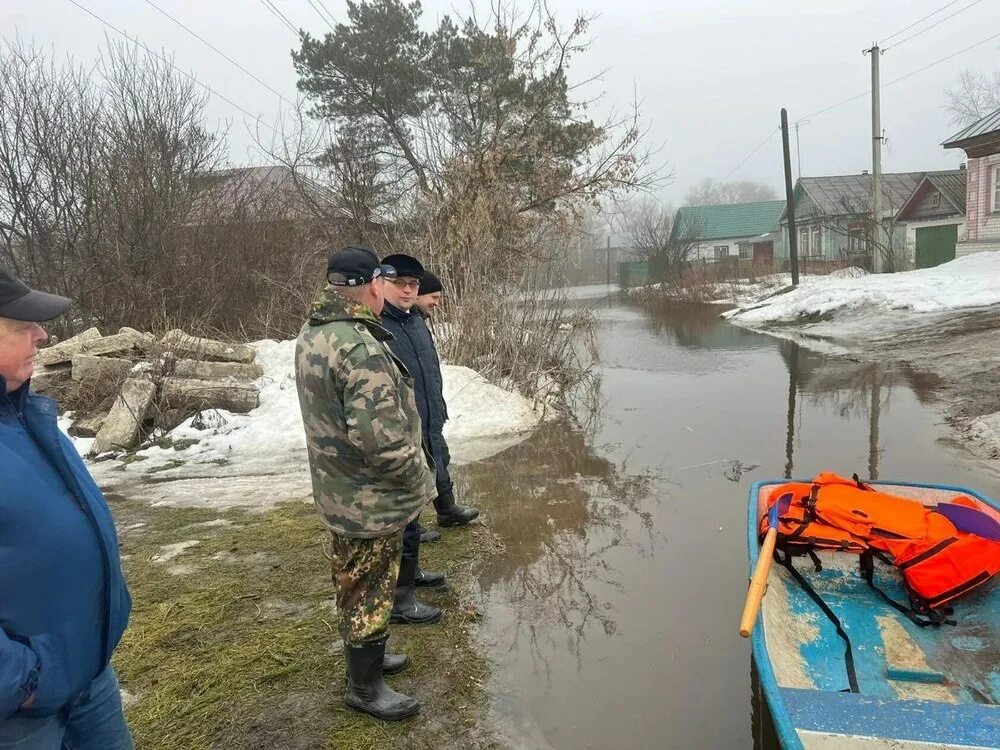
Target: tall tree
[(372, 73), (711, 192), (493, 96)]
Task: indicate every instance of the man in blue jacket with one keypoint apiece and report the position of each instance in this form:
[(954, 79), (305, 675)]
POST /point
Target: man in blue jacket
[(63, 600), (413, 345)]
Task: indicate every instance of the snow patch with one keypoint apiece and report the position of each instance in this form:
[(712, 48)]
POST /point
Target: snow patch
[(169, 551), (259, 459), (877, 303)]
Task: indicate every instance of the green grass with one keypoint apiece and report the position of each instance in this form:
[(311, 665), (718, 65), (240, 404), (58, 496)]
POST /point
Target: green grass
[(238, 646)]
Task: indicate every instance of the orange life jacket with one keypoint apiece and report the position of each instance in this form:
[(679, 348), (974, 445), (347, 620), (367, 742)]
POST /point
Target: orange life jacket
[(937, 562)]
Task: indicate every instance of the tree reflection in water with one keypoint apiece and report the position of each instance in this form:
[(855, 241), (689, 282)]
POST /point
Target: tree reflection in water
[(561, 512)]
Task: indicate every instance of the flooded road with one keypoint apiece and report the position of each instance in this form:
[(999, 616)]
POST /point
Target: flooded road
[(611, 603)]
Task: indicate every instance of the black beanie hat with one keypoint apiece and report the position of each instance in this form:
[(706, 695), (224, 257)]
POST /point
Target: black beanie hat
[(429, 284)]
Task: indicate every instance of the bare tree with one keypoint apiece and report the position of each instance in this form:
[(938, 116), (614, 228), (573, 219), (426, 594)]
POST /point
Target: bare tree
[(660, 241), (974, 95), (859, 236), (711, 192)]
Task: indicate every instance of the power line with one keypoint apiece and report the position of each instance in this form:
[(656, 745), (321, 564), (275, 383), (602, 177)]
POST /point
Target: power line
[(219, 52), (920, 21), (934, 25), (166, 60), (749, 156), (279, 15), (900, 78), (320, 13)]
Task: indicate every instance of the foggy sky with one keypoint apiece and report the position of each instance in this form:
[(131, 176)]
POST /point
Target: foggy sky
[(712, 75)]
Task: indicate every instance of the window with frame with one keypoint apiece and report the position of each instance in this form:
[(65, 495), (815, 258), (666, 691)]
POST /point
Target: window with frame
[(804, 234), (934, 201), (996, 188), (721, 252), (856, 244), (746, 251), (816, 244)]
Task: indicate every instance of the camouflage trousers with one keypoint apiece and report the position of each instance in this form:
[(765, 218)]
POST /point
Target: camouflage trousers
[(365, 572)]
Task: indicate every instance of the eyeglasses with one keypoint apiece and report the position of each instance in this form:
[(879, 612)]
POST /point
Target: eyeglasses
[(406, 283)]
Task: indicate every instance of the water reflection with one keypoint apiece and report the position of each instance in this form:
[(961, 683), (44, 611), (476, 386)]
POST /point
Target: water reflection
[(851, 388), (561, 510)]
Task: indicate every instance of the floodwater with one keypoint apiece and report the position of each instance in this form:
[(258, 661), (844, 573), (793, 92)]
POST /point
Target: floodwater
[(612, 601)]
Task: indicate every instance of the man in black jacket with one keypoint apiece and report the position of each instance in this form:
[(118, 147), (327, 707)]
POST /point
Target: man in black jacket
[(413, 345)]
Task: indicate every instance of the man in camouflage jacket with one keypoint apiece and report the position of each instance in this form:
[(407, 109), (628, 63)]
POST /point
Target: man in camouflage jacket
[(370, 473)]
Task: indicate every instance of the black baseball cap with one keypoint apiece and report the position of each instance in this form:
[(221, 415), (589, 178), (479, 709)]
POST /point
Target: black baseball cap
[(19, 302), (405, 265), (356, 265)]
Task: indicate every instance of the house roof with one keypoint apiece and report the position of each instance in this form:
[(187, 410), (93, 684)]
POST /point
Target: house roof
[(950, 184), (851, 194), (952, 187), (732, 220), (983, 126), (271, 189)]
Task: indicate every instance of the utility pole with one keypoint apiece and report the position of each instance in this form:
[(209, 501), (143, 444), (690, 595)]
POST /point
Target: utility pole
[(874, 241), (609, 260), (793, 238), (798, 150)]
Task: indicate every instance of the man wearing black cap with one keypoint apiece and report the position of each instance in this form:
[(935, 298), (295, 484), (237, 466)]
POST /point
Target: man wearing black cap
[(63, 600), (370, 473)]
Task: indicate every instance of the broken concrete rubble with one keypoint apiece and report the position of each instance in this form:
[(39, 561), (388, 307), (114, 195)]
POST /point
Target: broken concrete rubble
[(128, 342), (183, 345), (93, 368), (192, 395), (163, 382), (190, 368), (121, 428)]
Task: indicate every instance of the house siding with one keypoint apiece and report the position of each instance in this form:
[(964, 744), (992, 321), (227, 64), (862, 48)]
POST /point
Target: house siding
[(982, 225), (705, 250)]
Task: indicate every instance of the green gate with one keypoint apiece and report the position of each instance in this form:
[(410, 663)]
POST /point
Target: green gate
[(633, 273), (936, 245)]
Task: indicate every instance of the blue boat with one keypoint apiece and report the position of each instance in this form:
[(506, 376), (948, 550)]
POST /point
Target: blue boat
[(917, 688)]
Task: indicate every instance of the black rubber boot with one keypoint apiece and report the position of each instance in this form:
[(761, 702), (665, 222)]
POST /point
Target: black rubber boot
[(366, 690), (394, 663), (430, 580), (406, 609), (450, 513), (428, 535)]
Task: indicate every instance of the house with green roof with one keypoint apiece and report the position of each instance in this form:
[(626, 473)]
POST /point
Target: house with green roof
[(743, 231)]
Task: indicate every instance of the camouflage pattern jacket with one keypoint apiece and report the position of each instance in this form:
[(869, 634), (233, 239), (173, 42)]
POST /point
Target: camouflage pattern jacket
[(370, 473)]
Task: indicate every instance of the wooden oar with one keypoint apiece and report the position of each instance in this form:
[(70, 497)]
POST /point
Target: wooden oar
[(758, 581)]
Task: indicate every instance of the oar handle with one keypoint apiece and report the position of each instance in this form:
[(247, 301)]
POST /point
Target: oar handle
[(758, 583)]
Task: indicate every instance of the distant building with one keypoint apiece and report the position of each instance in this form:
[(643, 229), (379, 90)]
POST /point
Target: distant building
[(934, 218), (981, 143), (732, 232)]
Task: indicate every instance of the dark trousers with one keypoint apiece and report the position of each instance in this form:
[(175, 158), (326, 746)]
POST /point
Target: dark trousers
[(442, 458)]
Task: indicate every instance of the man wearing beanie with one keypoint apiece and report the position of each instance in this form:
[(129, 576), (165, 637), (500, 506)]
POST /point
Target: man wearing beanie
[(370, 473), (429, 294)]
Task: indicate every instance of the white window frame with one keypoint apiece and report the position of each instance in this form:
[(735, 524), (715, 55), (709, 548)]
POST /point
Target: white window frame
[(996, 188), (721, 252), (816, 243), (935, 201), (804, 234), (857, 243), (746, 250)]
